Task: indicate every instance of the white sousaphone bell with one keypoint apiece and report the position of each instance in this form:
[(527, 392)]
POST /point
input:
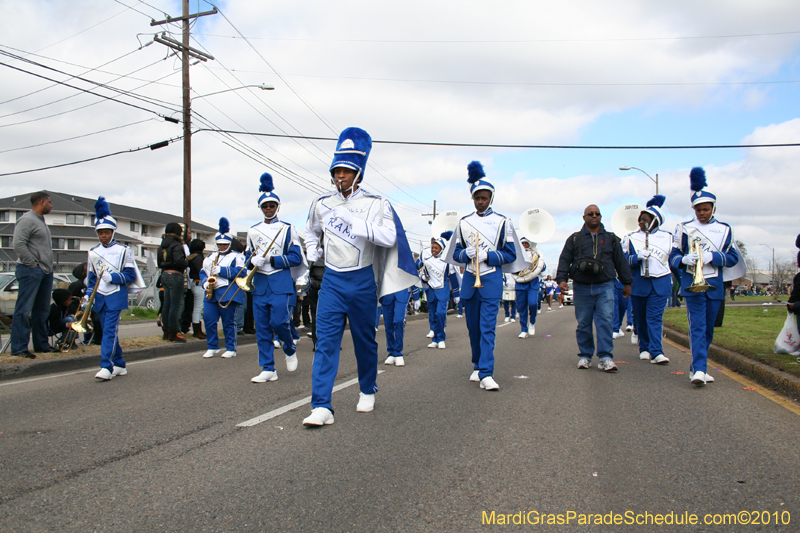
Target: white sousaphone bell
[(625, 219), (446, 221), (536, 225)]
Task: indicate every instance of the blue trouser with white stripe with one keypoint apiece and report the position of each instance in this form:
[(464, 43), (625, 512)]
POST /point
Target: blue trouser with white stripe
[(513, 305), (527, 305), (394, 321), (437, 311), (702, 315), (481, 315), (649, 313), (110, 350), (212, 312), (271, 312), (351, 296)]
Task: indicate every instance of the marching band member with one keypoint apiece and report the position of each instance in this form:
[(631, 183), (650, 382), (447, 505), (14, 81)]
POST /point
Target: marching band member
[(424, 279), (704, 240), (509, 298), (486, 240), (527, 290), (441, 280), (647, 252), (394, 307), (219, 270), (366, 257), (549, 289), (111, 265), (273, 248)]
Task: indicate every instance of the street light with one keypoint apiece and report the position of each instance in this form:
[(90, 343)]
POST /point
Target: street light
[(645, 173), (773, 264), (263, 87)]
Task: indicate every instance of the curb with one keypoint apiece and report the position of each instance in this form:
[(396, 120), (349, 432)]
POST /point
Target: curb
[(81, 362), (776, 380)]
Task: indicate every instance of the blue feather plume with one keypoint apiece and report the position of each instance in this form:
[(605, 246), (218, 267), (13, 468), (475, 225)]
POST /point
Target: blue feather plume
[(101, 208), (224, 225), (446, 235), (475, 170), (657, 200), (266, 183), (697, 179)]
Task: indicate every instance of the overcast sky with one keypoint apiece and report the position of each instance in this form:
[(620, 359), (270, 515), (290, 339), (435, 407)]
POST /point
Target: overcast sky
[(612, 73)]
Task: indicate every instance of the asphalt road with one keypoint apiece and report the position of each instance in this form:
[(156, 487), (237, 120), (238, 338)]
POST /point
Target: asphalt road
[(160, 450)]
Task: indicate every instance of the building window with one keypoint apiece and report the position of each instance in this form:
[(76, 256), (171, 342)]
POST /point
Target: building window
[(19, 214), (75, 219), (5, 216), (134, 226), (59, 244), (141, 251), (73, 244), (7, 242), (144, 230)]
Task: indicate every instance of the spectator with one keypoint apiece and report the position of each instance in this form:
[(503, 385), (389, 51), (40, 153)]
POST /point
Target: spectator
[(794, 298), (172, 262), (60, 319), (34, 248), (78, 290), (195, 260)]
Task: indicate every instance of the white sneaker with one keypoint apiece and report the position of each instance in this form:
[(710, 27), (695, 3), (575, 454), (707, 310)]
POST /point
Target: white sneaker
[(560, 306), (228, 354), (475, 376), (540, 311), (276, 343), (489, 383), (291, 363), (210, 353), (607, 366), (662, 359), (366, 402), (634, 338), (104, 374), (709, 379), (513, 320), (629, 327), (430, 334), (399, 361), (459, 316), (434, 344), (698, 378), (320, 416), (549, 308), (645, 355), (523, 335), (119, 371), (265, 376), (442, 345), (507, 319), (531, 330), (390, 360), (301, 326), (621, 333), (615, 335), (583, 362)]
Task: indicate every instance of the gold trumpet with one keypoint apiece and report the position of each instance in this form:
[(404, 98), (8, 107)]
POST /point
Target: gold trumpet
[(476, 241), (246, 284), (699, 282), (81, 326)]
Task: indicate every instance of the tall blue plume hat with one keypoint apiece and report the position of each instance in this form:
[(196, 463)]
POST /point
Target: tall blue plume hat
[(352, 151), (477, 183), (443, 239), (103, 218), (697, 180), (224, 235), (654, 206), (266, 189)]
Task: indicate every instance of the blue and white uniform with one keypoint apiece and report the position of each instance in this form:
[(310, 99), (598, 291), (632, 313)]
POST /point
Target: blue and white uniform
[(226, 267), (527, 290), (442, 282), (394, 307)]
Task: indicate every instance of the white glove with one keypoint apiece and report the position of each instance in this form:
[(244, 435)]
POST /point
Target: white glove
[(690, 259), (258, 260), (471, 252), (84, 301), (342, 214), (416, 305), (644, 254), (205, 285), (707, 257), (482, 256), (313, 255), (456, 300), (106, 276), (215, 270)]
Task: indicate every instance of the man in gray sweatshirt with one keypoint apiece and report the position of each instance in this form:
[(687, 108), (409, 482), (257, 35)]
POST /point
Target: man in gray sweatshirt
[(34, 248)]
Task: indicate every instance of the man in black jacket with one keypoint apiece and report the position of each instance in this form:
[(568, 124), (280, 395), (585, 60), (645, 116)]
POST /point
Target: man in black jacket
[(172, 262), (593, 258)]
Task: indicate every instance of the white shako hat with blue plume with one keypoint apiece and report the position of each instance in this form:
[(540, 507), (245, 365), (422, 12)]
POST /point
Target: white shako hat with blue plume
[(697, 179), (476, 173), (653, 207), (223, 236), (267, 189), (352, 151), (103, 218), (443, 239)]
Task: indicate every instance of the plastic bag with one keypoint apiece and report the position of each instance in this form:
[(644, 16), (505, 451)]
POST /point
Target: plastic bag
[(788, 340)]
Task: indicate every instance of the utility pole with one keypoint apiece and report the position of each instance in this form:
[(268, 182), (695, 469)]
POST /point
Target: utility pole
[(186, 52), (431, 214)]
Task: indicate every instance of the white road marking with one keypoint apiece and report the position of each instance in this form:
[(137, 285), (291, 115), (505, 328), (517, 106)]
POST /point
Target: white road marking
[(294, 405)]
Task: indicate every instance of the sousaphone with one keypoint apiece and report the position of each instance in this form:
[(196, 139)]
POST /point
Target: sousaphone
[(446, 221), (625, 219), (536, 225)]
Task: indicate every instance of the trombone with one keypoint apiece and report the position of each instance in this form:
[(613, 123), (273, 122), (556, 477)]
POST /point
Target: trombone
[(246, 284), (81, 326), (476, 266)]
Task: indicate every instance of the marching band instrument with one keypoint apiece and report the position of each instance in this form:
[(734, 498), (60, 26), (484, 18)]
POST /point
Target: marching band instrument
[(476, 242), (529, 273), (699, 283), (625, 219), (537, 225), (647, 260), (246, 284), (83, 325), (446, 221), (212, 279)]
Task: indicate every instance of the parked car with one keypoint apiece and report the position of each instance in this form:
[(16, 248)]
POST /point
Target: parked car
[(9, 288), (568, 295)]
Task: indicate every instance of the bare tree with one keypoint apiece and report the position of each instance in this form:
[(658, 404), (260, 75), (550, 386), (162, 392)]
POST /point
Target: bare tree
[(785, 269)]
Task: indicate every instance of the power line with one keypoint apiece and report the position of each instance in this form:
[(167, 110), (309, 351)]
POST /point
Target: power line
[(77, 137), (80, 32)]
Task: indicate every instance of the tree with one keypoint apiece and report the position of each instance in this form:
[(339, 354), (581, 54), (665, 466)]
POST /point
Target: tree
[(742, 248), (785, 269)]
